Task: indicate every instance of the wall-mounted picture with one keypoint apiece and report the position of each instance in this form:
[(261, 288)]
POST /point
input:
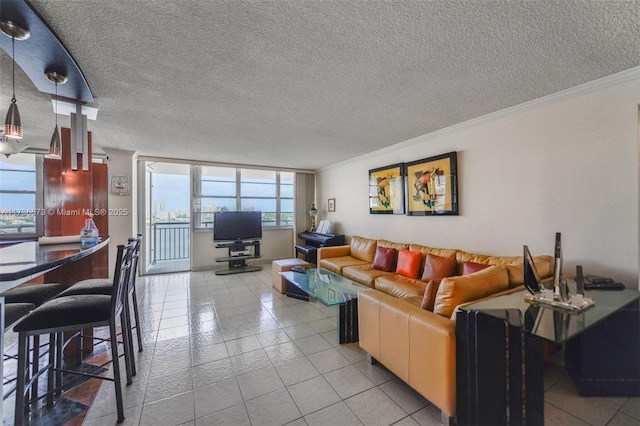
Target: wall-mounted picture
[(331, 205), (386, 190), (432, 185)]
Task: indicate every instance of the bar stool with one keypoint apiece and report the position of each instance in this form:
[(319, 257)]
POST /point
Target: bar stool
[(30, 294), (33, 293), (13, 313), (104, 286), (70, 314)]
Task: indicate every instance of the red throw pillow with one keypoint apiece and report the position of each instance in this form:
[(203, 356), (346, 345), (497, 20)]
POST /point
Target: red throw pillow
[(385, 259), (429, 299), (471, 267), (438, 267), (409, 263)]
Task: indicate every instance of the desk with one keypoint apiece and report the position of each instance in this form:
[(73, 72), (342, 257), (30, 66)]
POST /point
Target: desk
[(500, 354), (24, 261)]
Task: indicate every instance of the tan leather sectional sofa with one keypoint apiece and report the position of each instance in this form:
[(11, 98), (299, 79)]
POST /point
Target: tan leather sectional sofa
[(416, 344)]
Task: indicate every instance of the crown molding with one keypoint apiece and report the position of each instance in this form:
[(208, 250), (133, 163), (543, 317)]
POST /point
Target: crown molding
[(580, 90)]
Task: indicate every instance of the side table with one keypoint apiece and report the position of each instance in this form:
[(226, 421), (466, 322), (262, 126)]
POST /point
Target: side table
[(500, 354)]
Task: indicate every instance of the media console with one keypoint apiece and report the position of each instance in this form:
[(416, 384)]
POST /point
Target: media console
[(237, 257)]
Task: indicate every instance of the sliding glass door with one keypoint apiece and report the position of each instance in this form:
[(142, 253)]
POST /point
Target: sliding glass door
[(167, 217)]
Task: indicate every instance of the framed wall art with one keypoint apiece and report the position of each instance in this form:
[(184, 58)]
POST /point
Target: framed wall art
[(331, 205), (386, 190), (432, 186)]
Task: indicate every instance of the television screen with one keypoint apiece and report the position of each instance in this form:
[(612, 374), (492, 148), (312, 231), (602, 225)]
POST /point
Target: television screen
[(234, 226)]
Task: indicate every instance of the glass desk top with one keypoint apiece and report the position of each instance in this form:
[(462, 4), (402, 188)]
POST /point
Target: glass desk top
[(555, 325), (326, 286)]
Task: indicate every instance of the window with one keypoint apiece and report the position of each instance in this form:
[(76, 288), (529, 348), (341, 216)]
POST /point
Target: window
[(21, 212), (214, 190), (230, 189)]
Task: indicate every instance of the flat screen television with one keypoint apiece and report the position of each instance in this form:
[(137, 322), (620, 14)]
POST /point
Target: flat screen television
[(237, 226)]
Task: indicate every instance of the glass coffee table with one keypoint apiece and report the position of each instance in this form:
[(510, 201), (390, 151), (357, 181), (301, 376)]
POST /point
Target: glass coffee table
[(330, 289)]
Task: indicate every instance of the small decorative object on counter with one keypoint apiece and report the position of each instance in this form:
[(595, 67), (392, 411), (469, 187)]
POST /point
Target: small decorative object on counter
[(559, 298), (89, 234)]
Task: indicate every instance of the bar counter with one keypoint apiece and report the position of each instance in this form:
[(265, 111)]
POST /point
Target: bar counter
[(24, 261)]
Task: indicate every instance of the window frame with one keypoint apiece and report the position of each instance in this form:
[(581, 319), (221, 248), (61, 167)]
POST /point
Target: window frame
[(39, 202), (198, 197)]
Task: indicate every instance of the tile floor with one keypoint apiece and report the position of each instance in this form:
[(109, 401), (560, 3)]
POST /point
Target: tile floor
[(229, 350)]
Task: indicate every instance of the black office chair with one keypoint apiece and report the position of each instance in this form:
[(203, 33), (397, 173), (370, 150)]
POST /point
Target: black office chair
[(70, 314), (104, 285)]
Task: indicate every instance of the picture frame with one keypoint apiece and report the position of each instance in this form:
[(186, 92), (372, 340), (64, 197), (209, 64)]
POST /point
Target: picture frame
[(386, 190), (432, 185), (331, 205)]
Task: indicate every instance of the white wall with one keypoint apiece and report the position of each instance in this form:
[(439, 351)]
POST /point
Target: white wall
[(275, 244), (567, 163), (122, 209)]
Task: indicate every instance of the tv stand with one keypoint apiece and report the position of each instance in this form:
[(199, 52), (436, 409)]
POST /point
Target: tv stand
[(237, 257)]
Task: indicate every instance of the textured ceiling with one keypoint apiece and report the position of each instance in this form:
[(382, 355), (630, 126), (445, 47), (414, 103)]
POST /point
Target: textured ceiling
[(304, 84)]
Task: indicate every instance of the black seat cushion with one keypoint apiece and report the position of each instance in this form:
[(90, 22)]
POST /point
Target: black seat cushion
[(33, 293), (92, 286), (14, 311), (67, 311)]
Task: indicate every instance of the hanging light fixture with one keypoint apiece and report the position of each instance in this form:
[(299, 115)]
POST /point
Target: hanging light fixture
[(55, 146), (11, 146), (12, 124)]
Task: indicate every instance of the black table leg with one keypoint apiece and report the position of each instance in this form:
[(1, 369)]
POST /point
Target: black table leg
[(348, 327)]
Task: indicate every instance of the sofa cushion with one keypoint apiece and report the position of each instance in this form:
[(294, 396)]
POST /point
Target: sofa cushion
[(363, 248), (438, 267), (513, 264), (363, 274), (409, 263), (336, 264), (397, 246), (401, 287), (429, 297), (430, 250), (460, 289), (385, 259), (471, 267)]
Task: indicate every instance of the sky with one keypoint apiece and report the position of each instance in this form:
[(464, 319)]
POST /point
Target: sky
[(172, 189)]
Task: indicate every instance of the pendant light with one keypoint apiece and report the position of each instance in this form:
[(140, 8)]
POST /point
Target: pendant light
[(55, 146), (12, 124), (11, 146)]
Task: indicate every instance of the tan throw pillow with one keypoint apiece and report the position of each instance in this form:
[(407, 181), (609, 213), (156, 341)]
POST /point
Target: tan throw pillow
[(438, 267), (385, 259), (409, 263), (471, 267), (429, 299), (454, 291)]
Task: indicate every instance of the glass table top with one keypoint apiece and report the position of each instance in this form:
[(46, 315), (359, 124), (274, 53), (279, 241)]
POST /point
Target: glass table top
[(326, 286), (551, 324)]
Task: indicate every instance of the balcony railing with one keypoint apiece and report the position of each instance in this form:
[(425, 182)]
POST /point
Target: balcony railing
[(170, 241), (18, 228)]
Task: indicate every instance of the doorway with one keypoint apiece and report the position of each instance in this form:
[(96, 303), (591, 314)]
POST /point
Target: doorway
[(167, 217)]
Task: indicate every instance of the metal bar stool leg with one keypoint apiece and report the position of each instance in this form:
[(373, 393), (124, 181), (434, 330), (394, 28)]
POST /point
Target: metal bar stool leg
[(126, 316), (23, 353), (51, 373), (116, 372), (58, 358), (35, 366), (137, 318)]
